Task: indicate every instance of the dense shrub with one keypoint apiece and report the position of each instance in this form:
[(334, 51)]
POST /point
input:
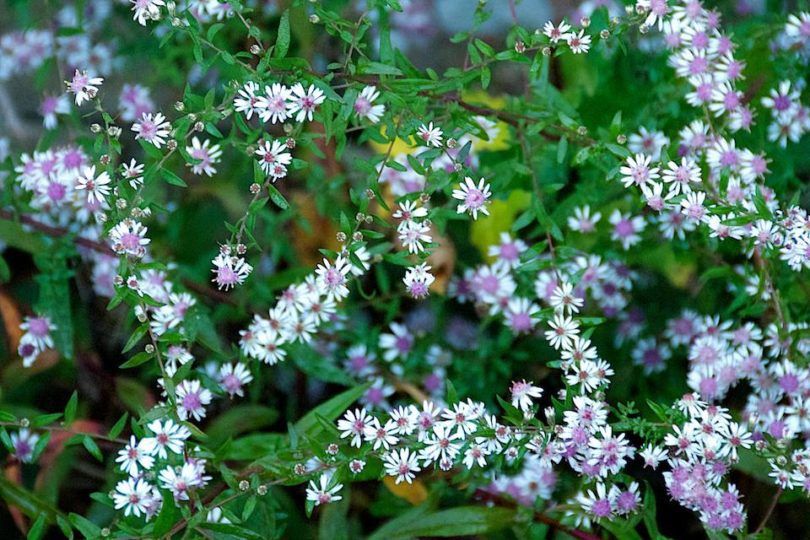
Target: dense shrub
[(531, 283)]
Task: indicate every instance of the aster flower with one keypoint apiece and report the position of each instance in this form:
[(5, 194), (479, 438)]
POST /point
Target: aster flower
[(129, 237), (402, 464), (557, 33), (579, 43), (230, 271), (50, 107), (274, 158), (564, 300), (135, 455), (84, 86), (417, 280), (191, 400), (354, 424), (96, 187), (167, 437), (144, 10), (246, 101), (134, 496), (582, 221), (474, 198), (522, 394), (24, 442), (413, 235), (563, 330), (332, 278), (322, 494), (273, 106), (304, 102), (431, 136), (205, 156), (364, 105), (638, 172), (152, 128), (233, 377)]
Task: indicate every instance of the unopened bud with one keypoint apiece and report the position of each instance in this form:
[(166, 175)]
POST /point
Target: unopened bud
[(95, 128), (255, 49), (314, 19), (341, 237), (261, 490), (179, 106), (520, 47), (290, 143), (244, 485), (241, 249), (171, 144), (104, 159), (546, 51), (604, 34), (357, 236), (621, 138), (149, 348), (199, 126), (255, 188)]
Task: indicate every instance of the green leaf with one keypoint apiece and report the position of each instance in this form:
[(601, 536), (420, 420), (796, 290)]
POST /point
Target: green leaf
[(240, 419), (461, 521), (28, 503), (70, 408), (37, 529), (173, 179), (137, 360), (283, 36), (331, 410), (277, 197), (91, 446), (85, 526)]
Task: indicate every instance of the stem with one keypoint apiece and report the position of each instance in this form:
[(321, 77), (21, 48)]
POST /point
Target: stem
[(770, 510)]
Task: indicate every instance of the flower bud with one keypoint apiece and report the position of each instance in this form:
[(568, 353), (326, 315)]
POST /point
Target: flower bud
[(179, 106), (244, 485), (255, 49), (95, 128), (255, 188), (171, 144), (341, 237), (149, 348)]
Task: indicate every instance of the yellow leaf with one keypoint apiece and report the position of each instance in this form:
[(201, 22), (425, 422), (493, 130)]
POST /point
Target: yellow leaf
[(415, 493)]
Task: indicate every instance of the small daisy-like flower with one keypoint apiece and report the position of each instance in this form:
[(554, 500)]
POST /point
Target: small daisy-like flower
[(626, 228), (247, 101), (474, 198), (230, 271), (398, 343), (320, 493), (233, 377), (563, 299), (652, 456), (522, 394), (413, 234), (332, 278), (402, 464), (133, 456), (638, 172), (145, 10), (364, 107), (409, 211), (50, 107), (191, 400), (38, 331), (417, 280), (681, 176), (557, 33), (563, 331), (84, 86), (204, 155), (24, 443), (304, 102), (133, 496), (353, 424), (97, 187), (692, 206), (579, 43), (432, 136), (167, 436), (583, 221), (129, 237), (274, 158), (152, 128), (273, 106)]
